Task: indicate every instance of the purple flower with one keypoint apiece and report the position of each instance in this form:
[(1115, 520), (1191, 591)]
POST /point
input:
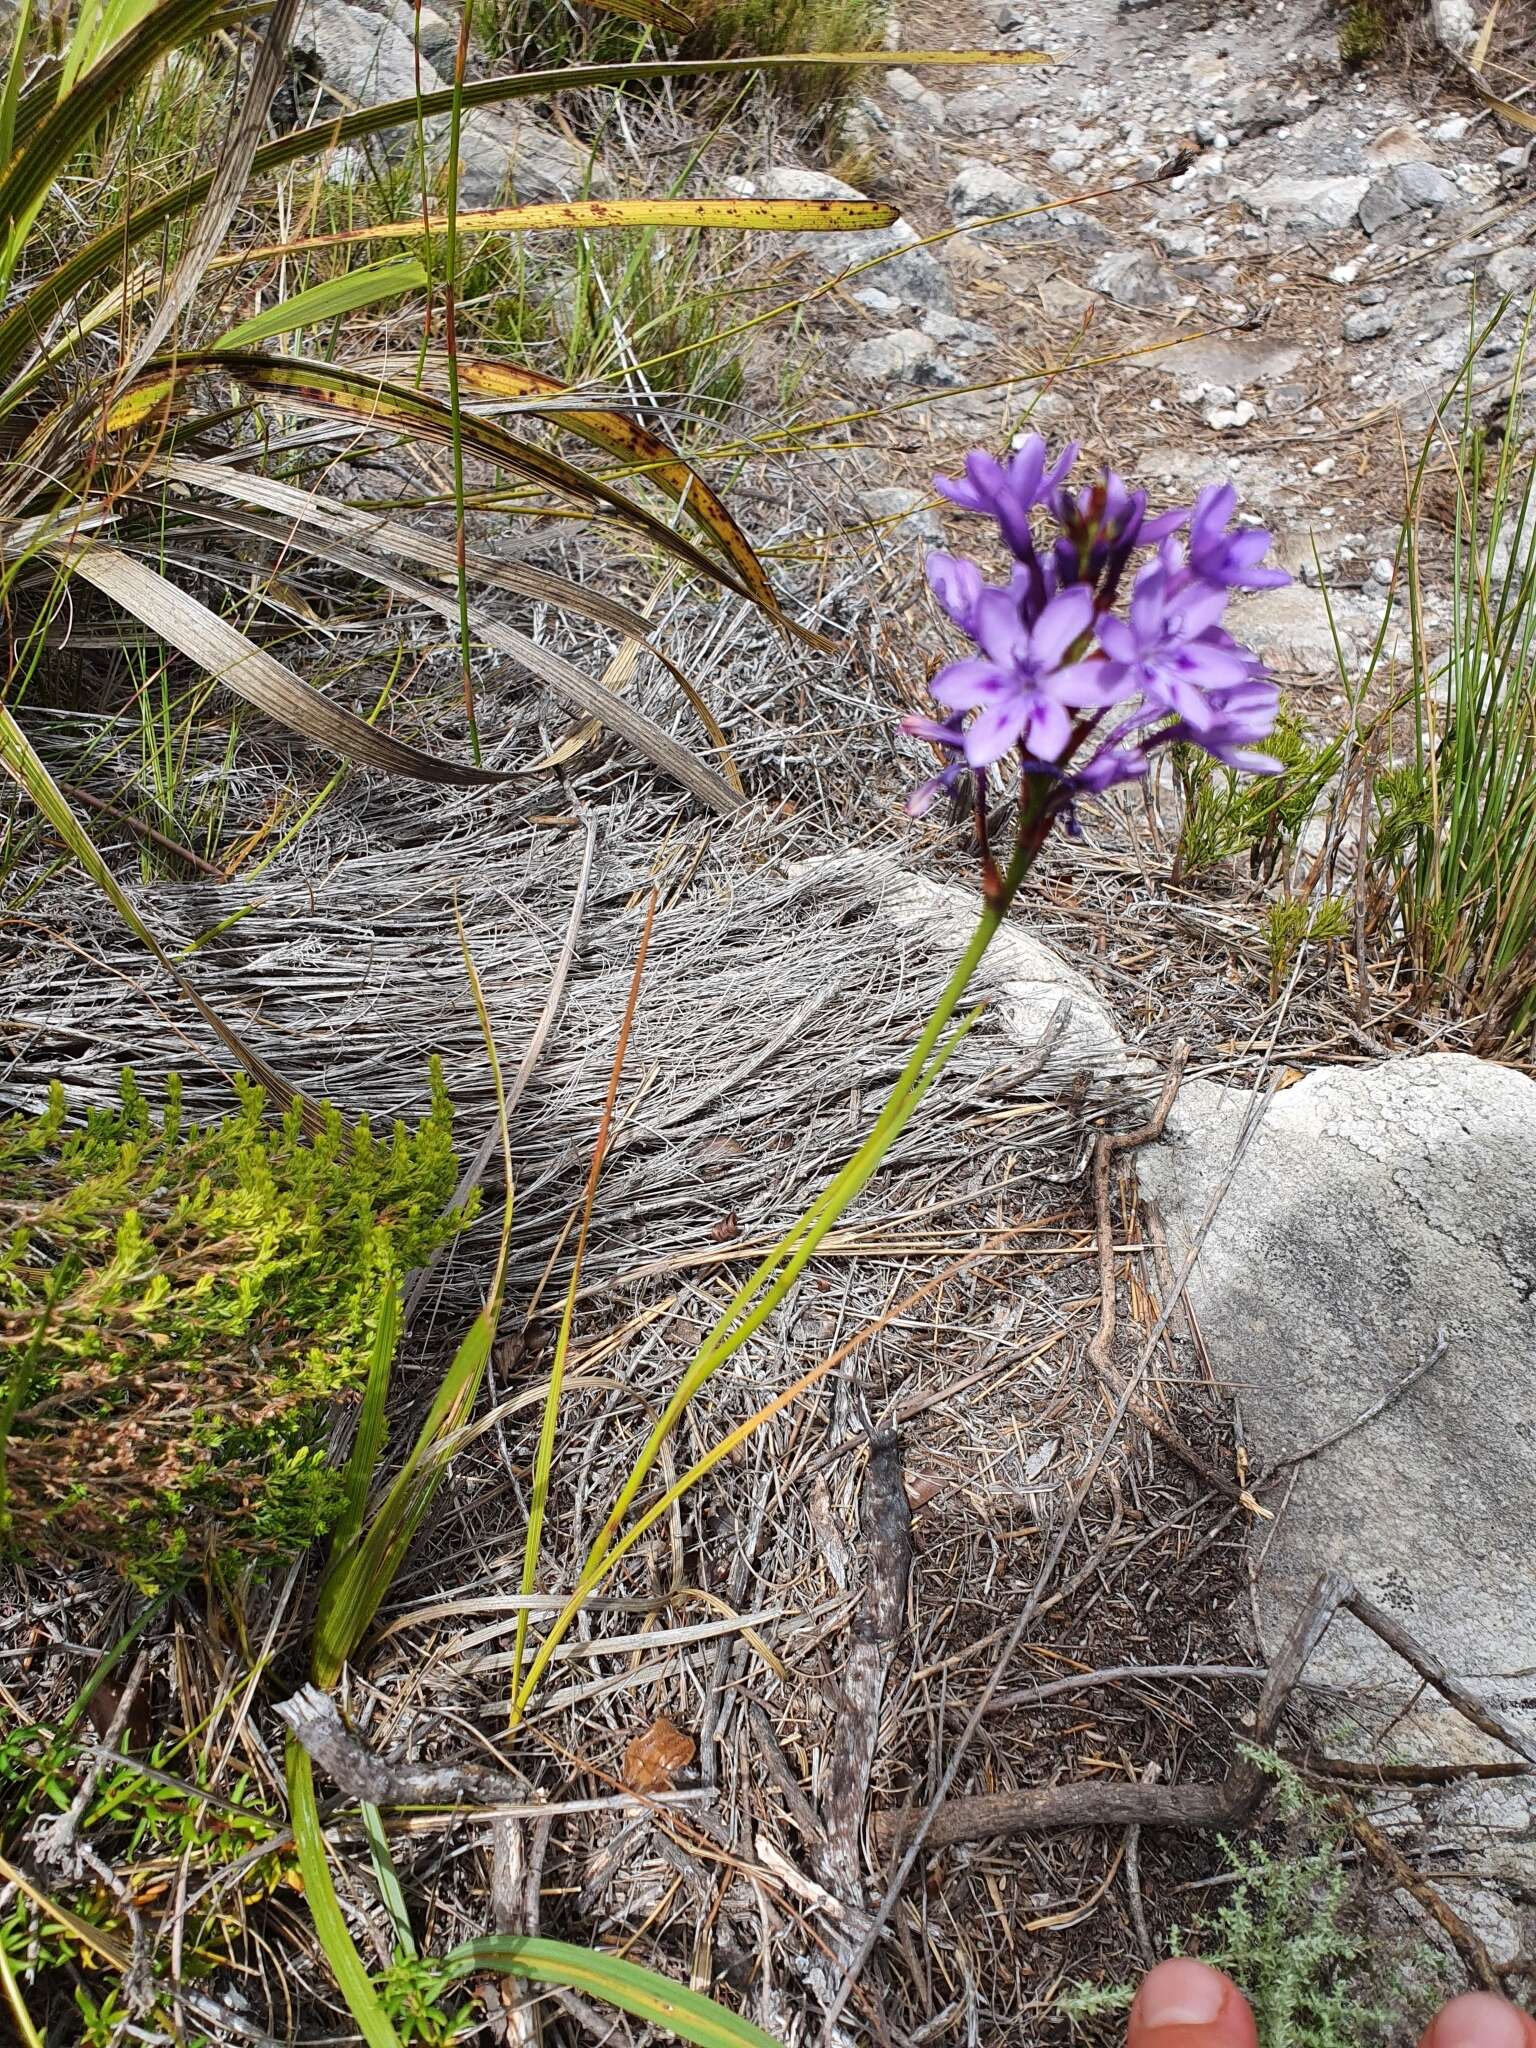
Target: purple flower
[(1102, 524), (1236, 718), (950, 734), (957, 583), (1229, 559), (1009, 492), (1022, 685), (1170, 649)]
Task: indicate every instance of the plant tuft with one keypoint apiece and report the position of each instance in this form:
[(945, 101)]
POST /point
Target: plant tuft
[(180, 1309)]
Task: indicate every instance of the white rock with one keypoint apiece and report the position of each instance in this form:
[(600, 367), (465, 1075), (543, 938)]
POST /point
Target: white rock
[(905, 356), (917, 99), (898, 266), (906, 514), (1134, 278), (1374, 1209), (1308, 202)]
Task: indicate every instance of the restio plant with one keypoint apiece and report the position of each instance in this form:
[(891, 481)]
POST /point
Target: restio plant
[(1453, 824), (180, 1310)]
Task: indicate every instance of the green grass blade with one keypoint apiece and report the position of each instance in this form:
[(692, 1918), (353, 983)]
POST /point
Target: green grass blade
[(369, 1441), (347, 1965), (330, 300), (387, 1878), (640, 1992), (14, 72)]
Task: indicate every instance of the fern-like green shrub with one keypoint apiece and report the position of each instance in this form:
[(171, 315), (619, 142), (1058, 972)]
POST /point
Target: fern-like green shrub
[(1226, 815), (180, 1309)]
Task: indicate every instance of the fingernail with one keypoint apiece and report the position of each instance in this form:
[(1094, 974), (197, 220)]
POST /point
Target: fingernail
[(1184, 1993), (1478, 2020)]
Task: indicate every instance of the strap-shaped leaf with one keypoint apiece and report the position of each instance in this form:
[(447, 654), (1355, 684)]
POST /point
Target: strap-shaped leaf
[(332, 299), (376, 533), (568, 682), (578, 216), (645, 1993), (618, 435), (254, 674), (29, 318), (356, 394)]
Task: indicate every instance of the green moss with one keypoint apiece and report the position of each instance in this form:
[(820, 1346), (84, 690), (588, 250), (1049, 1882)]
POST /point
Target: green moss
[(180, 1309)]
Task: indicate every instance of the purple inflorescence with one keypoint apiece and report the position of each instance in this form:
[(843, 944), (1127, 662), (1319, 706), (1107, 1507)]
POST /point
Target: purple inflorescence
[(1087, 659)]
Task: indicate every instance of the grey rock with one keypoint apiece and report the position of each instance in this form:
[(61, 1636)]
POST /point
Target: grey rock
[(905, 514), (1425, 185), (945, 327), (880, 303), (919, 101), (1369, 325), (906, 356), (1456, 24), (1373, 1210), (1513, 270), (1135, 278), (982, 192), (911, 274), (1381, 204), (1182, 239), (439, 37), (985, 109), (1406, 188), (364, 58), (1325, 203)]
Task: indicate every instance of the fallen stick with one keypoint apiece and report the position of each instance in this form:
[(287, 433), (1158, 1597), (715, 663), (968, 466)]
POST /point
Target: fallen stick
[(1193, 1808)]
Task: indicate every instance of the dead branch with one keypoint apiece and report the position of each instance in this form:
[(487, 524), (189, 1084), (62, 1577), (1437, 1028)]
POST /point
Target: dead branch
[(1469, 1946), (1192, 1808), (886, 1523), (361, 1773)]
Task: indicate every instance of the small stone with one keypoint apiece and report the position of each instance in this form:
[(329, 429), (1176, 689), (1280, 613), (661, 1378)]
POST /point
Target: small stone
[(1134, 278), (1369, 325), (907, 356), (880, 303), (1513, 270), (1425, 186), (1282, 399), (1066, 160), (1514, 158), (916, 98), (1307, 202), (946, 327), (982, 192), (1227, 419), (901, 268), (1381, 204), (1182, 239), (905, 513), (984, 109), (1381, 571), (1453, 129)]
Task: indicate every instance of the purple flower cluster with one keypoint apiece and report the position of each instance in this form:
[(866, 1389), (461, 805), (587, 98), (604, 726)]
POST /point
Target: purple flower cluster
[(1075, 683)]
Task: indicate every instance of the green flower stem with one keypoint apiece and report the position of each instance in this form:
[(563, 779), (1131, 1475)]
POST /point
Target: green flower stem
[(761, 1292)]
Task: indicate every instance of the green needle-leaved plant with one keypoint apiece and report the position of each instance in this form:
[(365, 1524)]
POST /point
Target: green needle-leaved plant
[(180, 1310)]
